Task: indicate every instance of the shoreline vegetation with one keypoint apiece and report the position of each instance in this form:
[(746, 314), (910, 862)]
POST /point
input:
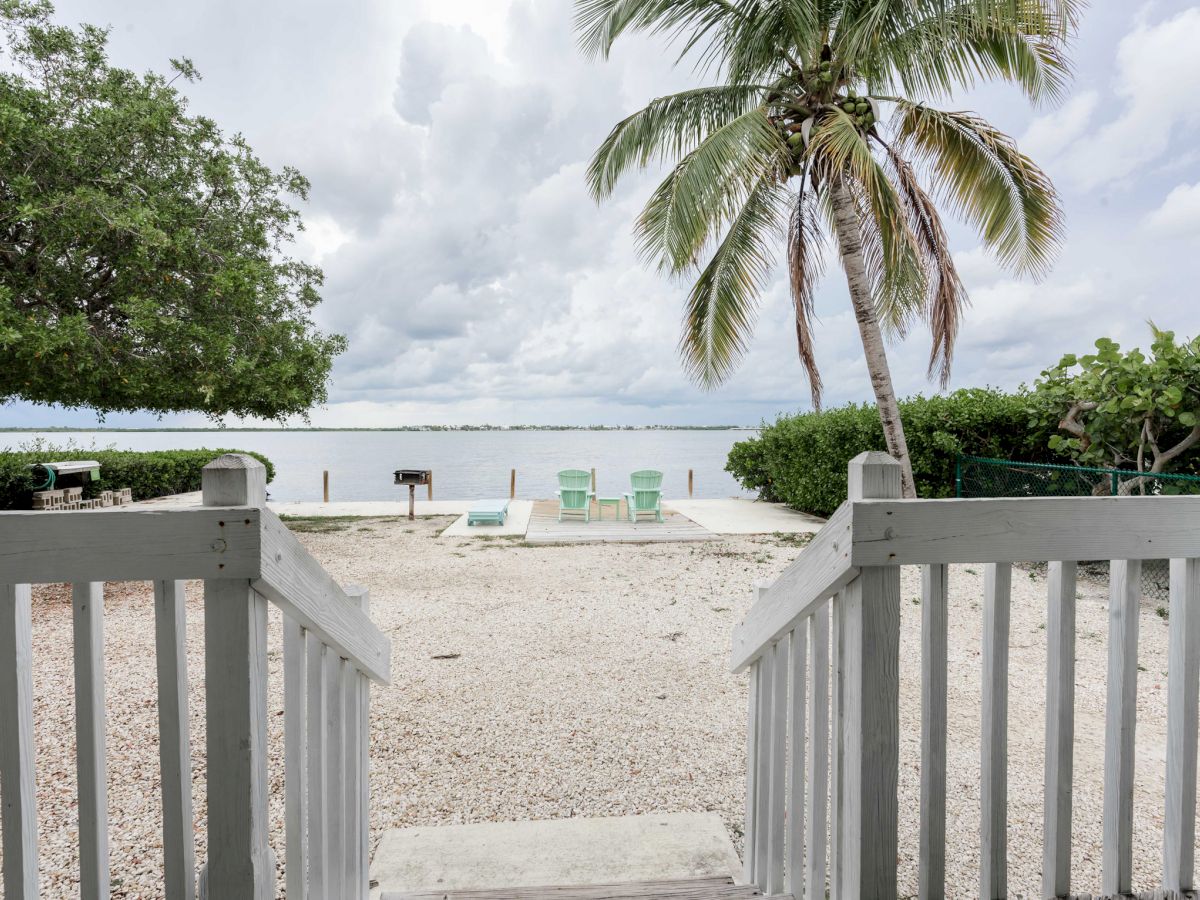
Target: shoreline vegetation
[(64, 430)]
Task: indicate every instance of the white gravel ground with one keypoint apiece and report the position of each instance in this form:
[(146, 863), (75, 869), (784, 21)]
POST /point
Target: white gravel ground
[(591, 680)]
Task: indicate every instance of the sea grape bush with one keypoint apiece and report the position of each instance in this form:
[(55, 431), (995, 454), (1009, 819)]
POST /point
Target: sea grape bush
[(801, 459), (1125, 409), (150, 474)]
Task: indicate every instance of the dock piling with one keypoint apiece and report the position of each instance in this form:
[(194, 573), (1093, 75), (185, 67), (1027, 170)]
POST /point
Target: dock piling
[(512, 485), (689, 484), (325, 482)]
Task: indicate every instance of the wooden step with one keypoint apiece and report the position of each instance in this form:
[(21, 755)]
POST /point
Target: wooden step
[(710, 888)]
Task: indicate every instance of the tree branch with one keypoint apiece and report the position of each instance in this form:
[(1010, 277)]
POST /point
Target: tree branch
[(1070, 422), (1161, 459)]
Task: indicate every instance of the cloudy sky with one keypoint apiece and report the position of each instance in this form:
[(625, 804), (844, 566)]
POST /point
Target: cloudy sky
[(476, 281)]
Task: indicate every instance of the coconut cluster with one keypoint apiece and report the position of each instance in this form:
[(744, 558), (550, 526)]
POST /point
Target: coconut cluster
[(803, 95)]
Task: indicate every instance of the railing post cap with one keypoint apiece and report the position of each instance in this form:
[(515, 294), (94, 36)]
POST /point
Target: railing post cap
[(234, 479), (873, 475)]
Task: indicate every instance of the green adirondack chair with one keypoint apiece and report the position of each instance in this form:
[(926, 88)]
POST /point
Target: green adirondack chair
[(574, 494), (646, 496)]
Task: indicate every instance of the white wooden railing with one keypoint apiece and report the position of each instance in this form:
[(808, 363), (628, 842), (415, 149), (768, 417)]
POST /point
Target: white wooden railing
[(247, 559), (841, 778)]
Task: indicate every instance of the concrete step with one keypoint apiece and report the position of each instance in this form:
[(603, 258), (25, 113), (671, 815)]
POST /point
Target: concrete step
[(713, 888), (576, 854)]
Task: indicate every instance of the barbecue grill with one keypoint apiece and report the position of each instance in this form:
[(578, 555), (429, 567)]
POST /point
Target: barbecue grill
[(413, 477)]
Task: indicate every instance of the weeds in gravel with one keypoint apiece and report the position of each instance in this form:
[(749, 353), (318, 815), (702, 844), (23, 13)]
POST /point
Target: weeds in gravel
[(792, 539), (331, 524)]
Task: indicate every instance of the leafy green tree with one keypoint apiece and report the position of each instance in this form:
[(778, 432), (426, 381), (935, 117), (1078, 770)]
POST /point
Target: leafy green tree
[(791, 143), (1125, 409), (142, 252)]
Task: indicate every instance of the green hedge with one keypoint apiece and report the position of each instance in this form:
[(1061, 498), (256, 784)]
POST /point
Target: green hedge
[(150, 474), (801, 460)]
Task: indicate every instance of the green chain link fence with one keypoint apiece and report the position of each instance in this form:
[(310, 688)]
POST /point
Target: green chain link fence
[(977, 476)]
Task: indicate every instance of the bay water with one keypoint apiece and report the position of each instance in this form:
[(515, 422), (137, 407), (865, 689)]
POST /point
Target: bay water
[(466, 464)]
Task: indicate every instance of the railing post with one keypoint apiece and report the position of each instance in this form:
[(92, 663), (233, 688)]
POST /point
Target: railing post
[(870, 618), (240, 862)]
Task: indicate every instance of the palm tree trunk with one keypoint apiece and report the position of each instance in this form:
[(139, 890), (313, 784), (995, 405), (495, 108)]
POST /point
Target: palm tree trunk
[(846, 226)]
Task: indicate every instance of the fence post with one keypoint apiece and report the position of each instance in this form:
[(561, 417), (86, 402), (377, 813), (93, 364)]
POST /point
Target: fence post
[(512, 485), (870, 617), (325, 484), (430, 483), (690, 483), (593, 481), (240, 862)]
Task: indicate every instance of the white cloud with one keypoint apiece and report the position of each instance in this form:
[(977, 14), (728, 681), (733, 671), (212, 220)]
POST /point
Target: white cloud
[(446, 142), (1179, 215), (1157, 70), (1049, 135)]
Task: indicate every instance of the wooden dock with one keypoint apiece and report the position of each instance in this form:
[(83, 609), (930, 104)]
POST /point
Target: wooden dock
[(544, 528)]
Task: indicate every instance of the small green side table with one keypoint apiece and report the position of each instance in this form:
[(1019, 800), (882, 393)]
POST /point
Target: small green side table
[(614, 502)]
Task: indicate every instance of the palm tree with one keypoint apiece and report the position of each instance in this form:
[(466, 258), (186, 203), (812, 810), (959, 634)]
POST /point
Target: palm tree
[(790, 146)]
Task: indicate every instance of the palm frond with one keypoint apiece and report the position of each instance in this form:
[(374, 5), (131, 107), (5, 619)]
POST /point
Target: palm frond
[(668, 128), (598, 23), (757, 40), (934, 48), (984, 177), (806, 258), (722, 305), (946, 296), (707, 189)]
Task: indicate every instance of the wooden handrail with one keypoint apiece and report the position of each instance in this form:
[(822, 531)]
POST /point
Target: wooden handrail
[(295, 582), (185, 544), (819, 572), (117, 544), (923, 532)]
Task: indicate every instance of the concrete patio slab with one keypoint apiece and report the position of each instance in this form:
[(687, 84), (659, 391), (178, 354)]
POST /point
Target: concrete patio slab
[(514, 526), (561, 851), (740, 516)]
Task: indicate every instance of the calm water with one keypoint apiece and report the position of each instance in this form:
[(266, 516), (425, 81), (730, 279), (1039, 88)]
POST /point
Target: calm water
[(465, 464)]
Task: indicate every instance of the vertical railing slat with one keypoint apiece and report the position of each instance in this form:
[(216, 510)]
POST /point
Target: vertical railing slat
[(794, 874), (364, 785), (750, 834), (319, 880), (295, 757), (762, 788), (174, 740), (1060, 729), (1120, 721), (19, 813), (934, 647), (997, 593), (350, 787), (87, 613), (837, 742), (335, 772), (357, 765), (818, 742), (777, 792), (1183, 695), (240, 862)]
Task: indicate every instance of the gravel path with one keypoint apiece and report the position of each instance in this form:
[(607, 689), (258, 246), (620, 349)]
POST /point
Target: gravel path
[(584, 681)]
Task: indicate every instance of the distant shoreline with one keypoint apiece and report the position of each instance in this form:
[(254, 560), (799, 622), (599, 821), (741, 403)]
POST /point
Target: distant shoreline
[(405, 428)]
